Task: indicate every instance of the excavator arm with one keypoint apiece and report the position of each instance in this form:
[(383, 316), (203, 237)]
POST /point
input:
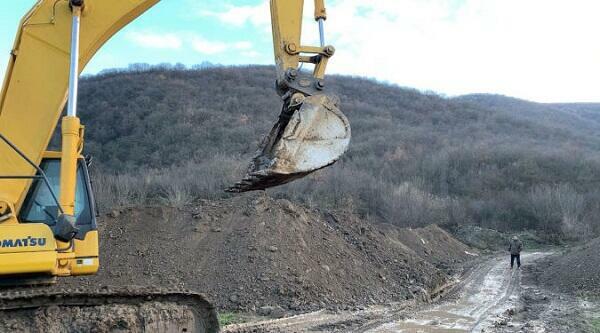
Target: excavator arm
[(287, 32), (312, 133)]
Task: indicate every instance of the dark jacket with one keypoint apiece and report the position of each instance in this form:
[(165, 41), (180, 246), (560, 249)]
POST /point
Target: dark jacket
[(515, 247)]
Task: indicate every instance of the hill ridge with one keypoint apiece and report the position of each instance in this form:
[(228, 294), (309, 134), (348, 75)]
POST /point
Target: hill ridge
[(415, 159)]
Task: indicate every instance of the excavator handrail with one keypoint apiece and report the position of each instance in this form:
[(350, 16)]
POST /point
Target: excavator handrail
[(41, 174)]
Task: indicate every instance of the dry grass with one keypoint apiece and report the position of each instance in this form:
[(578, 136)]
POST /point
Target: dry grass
[(469, 160), (175, 186)]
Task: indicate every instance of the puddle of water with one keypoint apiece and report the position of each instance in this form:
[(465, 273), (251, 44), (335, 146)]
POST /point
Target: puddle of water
[(444, 319), (417, 328), (482, 296), (435, 314)]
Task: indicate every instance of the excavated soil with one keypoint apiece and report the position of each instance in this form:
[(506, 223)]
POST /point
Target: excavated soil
[(252, 252), (541, 307), (489, 298), (576, 270)]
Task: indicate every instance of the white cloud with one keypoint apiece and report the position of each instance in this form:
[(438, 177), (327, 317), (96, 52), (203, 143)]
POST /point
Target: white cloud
[(245, 45), (156, 40), (544, 50), (195, 41), (250, 54), (258, 15), (204, 46)]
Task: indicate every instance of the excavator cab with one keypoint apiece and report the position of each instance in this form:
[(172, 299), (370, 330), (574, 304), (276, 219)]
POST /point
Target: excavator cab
[(33, 245), (40, 207)]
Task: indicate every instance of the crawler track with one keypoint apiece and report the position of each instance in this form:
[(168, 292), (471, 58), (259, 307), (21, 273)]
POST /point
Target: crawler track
[(134, 309)]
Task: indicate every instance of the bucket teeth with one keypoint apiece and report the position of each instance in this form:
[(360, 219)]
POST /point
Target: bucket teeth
[(261, 181), (310, 135)]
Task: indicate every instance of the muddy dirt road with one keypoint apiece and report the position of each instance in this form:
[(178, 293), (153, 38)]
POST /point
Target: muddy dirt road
[(491, 298), (486, 296)]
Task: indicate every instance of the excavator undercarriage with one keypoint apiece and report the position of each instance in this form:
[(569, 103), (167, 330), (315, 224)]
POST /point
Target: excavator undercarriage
[(126, 309)]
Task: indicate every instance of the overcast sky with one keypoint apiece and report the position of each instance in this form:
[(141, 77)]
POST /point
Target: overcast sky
[(541, 50)]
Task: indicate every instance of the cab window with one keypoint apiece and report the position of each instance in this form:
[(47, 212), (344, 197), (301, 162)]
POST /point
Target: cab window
[(40, 207)]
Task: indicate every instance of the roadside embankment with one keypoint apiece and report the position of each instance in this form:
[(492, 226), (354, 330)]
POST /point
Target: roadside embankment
[(575, 270)]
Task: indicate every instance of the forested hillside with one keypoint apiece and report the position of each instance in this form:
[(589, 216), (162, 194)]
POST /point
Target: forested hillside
[(173, 135)]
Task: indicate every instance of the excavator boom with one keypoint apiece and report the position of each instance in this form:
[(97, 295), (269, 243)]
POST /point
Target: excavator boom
[(34, 92)]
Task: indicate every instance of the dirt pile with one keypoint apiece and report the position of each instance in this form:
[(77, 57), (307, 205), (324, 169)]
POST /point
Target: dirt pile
[(433, 244), (254, 253), (577, 270)]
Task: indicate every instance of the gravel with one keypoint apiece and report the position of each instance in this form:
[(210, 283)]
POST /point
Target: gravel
[(576, 270)]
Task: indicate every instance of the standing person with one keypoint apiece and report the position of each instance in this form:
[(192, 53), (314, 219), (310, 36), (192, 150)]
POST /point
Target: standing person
[(515, 248)]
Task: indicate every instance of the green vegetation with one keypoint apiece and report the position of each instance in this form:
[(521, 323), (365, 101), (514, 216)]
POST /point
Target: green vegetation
[(595, 325), (229, 318), (165, 135)]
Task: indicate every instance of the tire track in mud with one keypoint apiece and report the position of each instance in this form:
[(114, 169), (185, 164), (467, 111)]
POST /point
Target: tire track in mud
[(490, 290), (472, 306), (511, 293)]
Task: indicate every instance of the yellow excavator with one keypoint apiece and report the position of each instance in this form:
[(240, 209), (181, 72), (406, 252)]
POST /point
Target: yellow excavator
[(47, 215)]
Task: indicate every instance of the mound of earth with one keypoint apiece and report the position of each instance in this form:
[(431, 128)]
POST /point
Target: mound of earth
[(433, 244), (576, 270), (254, 253)]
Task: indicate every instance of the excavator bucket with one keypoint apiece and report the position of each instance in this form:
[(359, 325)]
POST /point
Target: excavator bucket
[(311, 134)]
